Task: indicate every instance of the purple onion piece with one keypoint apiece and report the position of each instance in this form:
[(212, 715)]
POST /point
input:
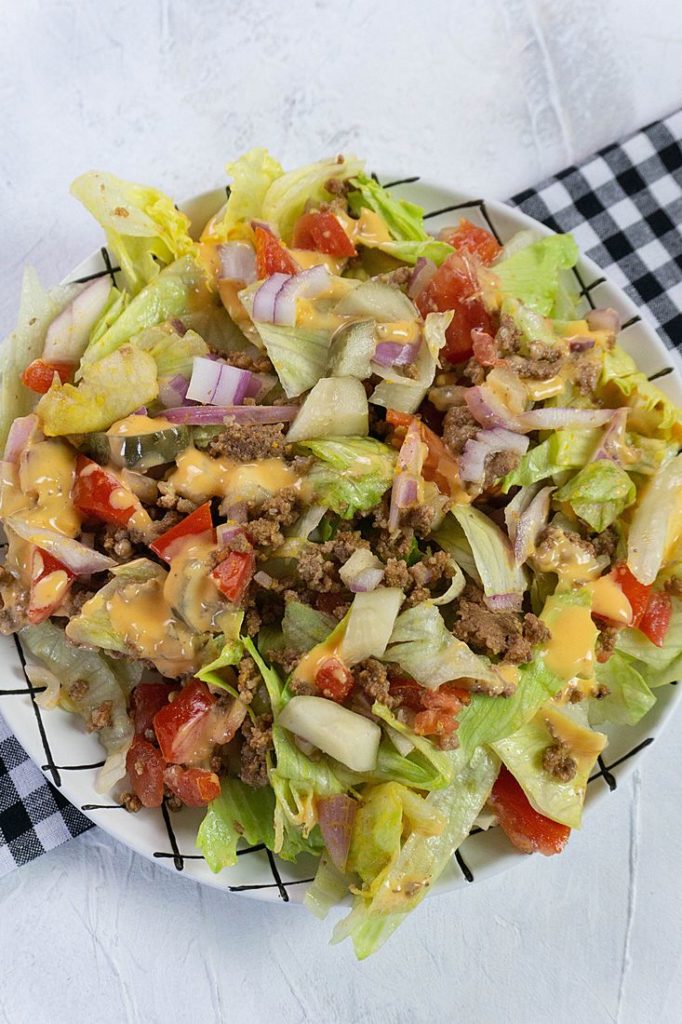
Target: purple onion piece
[(504, 602), (237, 262), (530, 524), (580, 344), (604, 320), (395, 353), (365, 581), (264, 298), (205, 415), (555, 419), (421, 275), (19, 434)]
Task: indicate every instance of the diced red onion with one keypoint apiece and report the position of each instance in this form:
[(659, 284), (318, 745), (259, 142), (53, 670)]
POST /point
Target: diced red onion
[(264, 298), (580, 344), (237, 262), (405, 490), (79, 559), (306, 285), (226, 532), (216, 383), (260, 385), (209, 415), (504, 602), (488, 410), (476, 450), (336, 817), (263, 579), (18, 437), (235, 514), (393, 353), (603, 320), (368, 579), (421, 275), (178, 326), (531, 522), (613, 438), (173, 390), (517, 506), (555, 419), (142, 411)]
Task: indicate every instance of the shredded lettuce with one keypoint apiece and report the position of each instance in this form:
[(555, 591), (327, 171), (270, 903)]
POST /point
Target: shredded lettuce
[(656, 665), (304, 627), (37, 310), (171, 294), (240, 812), (491, 552), (298, 354), (531, 274), (110, 389), (598, 493), (422, 858), (629, 698), (143, 227), (523, 751), (651, 411), (173, 353), (424, 648), (404, 220), (108, 682), (563, 449), (290, 193), (252, 175), (425, 767), (350, 474), (407, 393)]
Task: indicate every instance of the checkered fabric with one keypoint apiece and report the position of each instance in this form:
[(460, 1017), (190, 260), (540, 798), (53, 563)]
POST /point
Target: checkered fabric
[(624, 208)]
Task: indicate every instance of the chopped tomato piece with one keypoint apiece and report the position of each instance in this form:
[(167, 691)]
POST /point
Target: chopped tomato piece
[(455, 286), (437, 710), (271, 256), (484, 350), (183, 725), (145, 700), (439, 466), (38, 375), (656, 619), (196, 787), (434, 722), (637, 593), (197, 522), (145, 766), (98, 494), (50, 582), (528, 830), (468, 237), (334, 679), (322, 231), (233, 575)]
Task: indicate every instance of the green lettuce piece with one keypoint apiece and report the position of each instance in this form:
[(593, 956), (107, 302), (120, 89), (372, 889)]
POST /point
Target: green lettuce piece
[(522, 753), (290, 193), (656, 665), (598, 493), (252, 175), (404, 220), (304, 627), (173, 353), (563, 449), (231, 653), (629, 697), (407, 393), (531, 274), (350, 474), (115, 305), (110, 389), (172, 293), (425, 767), (424, 648), (108, 681), (37, 310), (646, 455), (329, 887), (452, 538), (92, 625), (298, 354), (651, 411), (240, 812), (531, 325), (143, 227), (491, 552), (422, 859)]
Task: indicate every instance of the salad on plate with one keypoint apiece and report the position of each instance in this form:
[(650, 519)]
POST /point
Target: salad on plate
[(351, 535)]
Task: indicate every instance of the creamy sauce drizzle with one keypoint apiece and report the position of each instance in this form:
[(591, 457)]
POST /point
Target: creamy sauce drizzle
[(199, 477)]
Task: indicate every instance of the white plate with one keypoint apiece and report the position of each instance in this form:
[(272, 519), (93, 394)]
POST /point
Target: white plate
[(69, 757)]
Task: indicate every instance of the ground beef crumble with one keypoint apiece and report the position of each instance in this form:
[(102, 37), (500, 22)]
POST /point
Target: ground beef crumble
[(459, 426), (248, 679), (606, 643), (557, 762), (257, 741), (511, 635), (248, 442), (100, 717), (372, 678)]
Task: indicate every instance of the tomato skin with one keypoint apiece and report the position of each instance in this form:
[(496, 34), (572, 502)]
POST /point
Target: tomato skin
[(439, 466), (468, 237), (196, 787), (321, 231), (145, 766), (437, 710), (271, 256), (39, 374), (179, 726), (334, 680), (233, 575), (145, 700), (454, 286), (197, 522), (43, 564), (528, 830), (637, 593), (656, 619), (93, 491)]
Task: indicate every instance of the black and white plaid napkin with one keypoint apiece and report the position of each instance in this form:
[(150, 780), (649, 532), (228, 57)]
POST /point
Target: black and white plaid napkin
[(624, 207)]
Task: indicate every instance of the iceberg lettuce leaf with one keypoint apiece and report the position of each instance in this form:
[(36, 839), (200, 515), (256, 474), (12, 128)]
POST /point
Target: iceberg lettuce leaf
[(598, 493), (404, 220), (290, 193), (531, 274), (629, 698), (350, 474), (252, 175)]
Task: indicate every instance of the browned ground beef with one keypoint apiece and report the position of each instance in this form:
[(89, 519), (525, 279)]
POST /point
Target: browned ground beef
[(248, 679), (473, 372), (420, 519), (507, 338), (14, 598), (244, 361), (300, 688), (509, 634), (587, 374), (606, 643), (558, 762), (257, 741), (459, 426), (317, 571), (287, 657), (394, 545), (397, 574), (169, 500), (100, 717), (372, 678), (247, 442), (498, 464), (674, 587), (130, 802), (117, 544), (536, 369), (605, 543)]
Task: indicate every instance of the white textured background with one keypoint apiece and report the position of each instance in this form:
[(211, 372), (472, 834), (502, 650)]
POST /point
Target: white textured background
[(492, 96)]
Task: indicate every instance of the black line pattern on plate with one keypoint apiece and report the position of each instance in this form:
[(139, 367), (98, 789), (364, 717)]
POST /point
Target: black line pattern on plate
[(21, 692), (102, 807), (661, 373), (271, 885), (605, 771), (75, 767), (585, 289), (401, 181), (50, 766), (636, 319), (277, 877), (163, 854), (464, 867), (178, 859)]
